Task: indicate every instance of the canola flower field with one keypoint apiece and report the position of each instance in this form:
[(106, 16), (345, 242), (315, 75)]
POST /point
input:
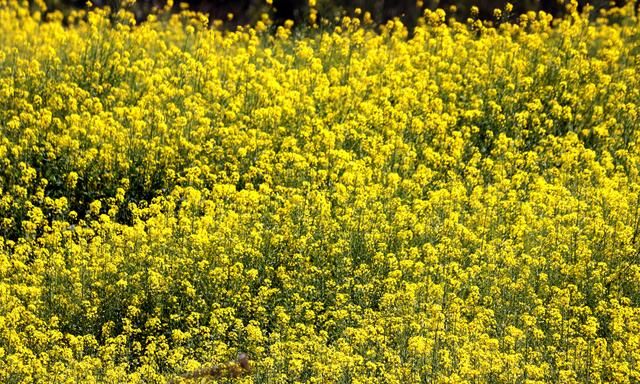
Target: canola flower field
[(344, 204)]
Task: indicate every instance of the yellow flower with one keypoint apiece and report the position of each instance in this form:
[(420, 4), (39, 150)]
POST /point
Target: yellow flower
[(343, 204)]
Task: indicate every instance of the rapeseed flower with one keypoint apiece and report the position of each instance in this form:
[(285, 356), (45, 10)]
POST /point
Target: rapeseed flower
[(348, 204)]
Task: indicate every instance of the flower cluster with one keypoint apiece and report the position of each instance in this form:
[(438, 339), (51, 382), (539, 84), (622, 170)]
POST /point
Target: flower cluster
[(345, 204)]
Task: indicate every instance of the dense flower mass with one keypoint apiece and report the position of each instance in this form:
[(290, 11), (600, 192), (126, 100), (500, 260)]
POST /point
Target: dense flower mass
[(345, 204)]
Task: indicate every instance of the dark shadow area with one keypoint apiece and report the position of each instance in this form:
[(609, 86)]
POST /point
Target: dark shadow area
[(249, 11)]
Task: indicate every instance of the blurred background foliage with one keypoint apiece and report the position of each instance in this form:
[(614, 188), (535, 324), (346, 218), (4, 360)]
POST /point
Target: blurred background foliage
[(249, 11)]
